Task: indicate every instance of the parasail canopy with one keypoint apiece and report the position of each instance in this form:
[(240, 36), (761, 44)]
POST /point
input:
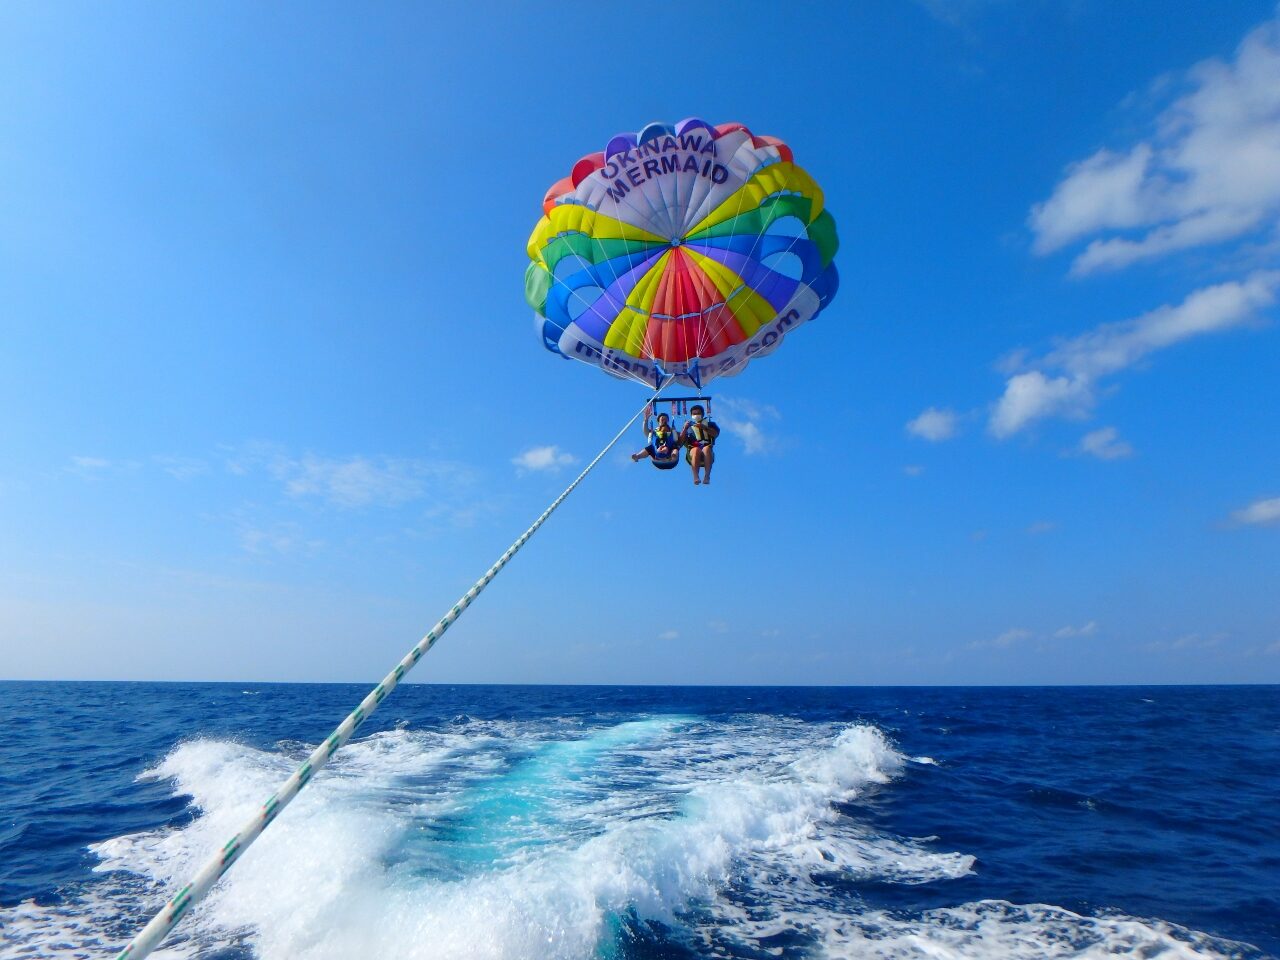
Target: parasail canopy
[(681, 252)]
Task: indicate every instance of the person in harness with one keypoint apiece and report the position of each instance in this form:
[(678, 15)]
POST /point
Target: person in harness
[(663, 447), (699, 439)]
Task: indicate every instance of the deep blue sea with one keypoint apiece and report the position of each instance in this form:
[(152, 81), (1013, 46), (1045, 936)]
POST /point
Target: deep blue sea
[(648, 822)]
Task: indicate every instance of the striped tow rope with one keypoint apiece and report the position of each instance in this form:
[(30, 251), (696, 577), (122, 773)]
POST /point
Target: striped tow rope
[(154, 932)]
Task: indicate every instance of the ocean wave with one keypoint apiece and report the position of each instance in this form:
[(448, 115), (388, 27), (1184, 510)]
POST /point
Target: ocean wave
[(998, 929), (502, 839)]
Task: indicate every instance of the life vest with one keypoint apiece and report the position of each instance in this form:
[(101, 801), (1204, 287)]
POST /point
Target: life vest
[(701, 436), (658, 437), (667, 436)]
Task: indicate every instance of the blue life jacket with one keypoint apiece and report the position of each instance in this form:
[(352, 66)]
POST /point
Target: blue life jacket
[(667, 436)]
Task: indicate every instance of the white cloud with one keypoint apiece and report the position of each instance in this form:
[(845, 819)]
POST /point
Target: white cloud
[(550, 458), (87, 466), (669, 635), (1064, 381), (239, 461), (1016, 636), (1189, 641), (442, 489), (934, 425), (958, 13), (752, 437), (913, 470), (1114, 346), (1032, 395), (1194, 641), (1105, 444), (1041, 526), (362, 481), (1209, 171), (1067, 632), (1259, 513), (1004, 640), (1098, 193), (91, 463), (282, 538), (181, 468), (749, 422), (1010, 637)]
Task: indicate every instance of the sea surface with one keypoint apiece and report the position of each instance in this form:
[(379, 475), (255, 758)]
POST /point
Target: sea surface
[(648, 822)]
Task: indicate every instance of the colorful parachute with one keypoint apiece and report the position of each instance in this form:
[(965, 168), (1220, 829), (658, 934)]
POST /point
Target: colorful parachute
[(680, 252)]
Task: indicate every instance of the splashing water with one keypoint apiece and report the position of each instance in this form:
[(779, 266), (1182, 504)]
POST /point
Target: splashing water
[(744, 835)]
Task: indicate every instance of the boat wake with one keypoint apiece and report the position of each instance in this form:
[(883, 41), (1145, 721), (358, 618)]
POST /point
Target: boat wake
[(669, 835)]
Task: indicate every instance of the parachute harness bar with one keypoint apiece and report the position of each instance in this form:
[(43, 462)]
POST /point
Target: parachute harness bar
[(150, 936)]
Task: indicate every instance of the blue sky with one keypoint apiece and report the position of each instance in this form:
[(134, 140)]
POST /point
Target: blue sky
[(272, 397)]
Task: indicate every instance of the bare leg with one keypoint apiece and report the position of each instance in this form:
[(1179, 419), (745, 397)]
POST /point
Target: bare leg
[(695, 460), (708, 458)]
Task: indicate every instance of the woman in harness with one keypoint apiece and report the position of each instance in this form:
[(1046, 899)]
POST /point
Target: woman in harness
[(699, 439), (663, 446)]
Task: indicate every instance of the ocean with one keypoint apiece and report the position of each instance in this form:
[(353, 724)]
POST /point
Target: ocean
[(648, 822)]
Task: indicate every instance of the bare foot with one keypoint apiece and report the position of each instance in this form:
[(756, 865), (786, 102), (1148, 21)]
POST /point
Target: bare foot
[(635, 457), (696, 481)]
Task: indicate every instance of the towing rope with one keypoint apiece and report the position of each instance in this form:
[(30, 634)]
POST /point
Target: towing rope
[(167, 918)]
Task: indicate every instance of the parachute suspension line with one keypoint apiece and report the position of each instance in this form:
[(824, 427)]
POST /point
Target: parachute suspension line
[(659, 374), (708, 334), (154, 932)]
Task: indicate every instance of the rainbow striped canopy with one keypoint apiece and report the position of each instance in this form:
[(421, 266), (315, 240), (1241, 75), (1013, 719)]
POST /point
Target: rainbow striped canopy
[(682, 252)]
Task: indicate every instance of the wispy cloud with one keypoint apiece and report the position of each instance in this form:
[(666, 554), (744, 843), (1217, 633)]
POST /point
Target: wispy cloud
[(1208, 172), (1041, 527), (90, 463), (913, 470), (1019, 636), (181, 468), (1260, 513), (359, 481), (669, 635), (1084, 630), (751, 423), (352, 480), (94, 466), (277, 538), (958, 13), (1065, 381), (1004, 640), (1188, 641), (543, 459), (239, 462), (934, 425), (1105, 444)]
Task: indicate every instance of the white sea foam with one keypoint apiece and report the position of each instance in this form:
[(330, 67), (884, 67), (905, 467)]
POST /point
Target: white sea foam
[(79, 931), (997, 929), (527, 840)]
